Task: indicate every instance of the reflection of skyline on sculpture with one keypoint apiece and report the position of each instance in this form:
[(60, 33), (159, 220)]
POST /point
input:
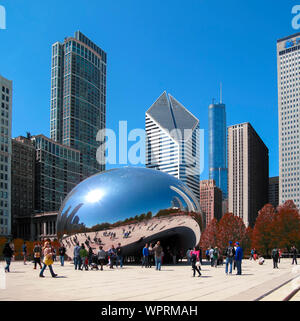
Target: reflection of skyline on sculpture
[(118, 194)]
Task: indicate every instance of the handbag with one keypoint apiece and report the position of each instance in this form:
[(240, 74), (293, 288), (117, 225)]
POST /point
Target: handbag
[(48, 259), (198, 263)]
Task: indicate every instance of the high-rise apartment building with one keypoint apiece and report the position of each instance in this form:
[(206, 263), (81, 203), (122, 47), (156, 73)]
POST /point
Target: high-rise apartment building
[(172, 141), (274, 191), (22, 186), (5, 155), (210, 200), (248, 172), (217, 146), (78, 98), (288, 76), (57, 172)]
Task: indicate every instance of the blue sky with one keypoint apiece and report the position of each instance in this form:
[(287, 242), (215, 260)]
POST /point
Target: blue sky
[(184, 47)]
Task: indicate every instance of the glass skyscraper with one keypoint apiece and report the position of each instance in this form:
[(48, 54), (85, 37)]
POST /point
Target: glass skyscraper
[(217, 146), (78, 98)]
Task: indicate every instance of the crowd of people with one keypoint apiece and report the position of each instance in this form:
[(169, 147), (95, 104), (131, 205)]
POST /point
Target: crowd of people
[(84, 256)]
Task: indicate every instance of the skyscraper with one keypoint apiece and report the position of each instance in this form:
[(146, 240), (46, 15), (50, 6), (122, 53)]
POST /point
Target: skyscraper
[(217, 146), (248, 172), (274, 191), (5, 155), (210, 200), (172, 141), (288, 77), (78, 97)]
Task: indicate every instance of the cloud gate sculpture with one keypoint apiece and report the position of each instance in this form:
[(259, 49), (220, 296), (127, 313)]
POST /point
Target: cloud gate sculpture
[(131, 206)]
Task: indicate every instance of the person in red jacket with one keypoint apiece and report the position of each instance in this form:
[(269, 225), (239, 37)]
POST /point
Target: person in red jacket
[(195, 259)]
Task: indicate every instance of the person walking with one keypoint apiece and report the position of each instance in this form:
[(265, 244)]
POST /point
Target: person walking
[(238, 258), (37, 251), (77, 260), (230, 252), (48, 260), (62, 252), (83, 256), (101, 257), (24, 251), (294, 253), (112, 256), (251, 255), (195, 259), (145, 262), (119, 255), (275, 255), (216, 256), (211, 256), (7, 254), (158, 252), (279, 256)]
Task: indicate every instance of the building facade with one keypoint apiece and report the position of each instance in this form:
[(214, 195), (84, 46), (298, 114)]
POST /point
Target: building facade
[(210, 200), (78, 98), (217, 146), (6, 92), (288, 76), (274, 191), (22, 186), (248, 172), (172, 141), (57, 172)]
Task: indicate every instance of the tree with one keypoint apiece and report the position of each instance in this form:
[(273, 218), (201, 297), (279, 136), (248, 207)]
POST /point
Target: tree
[(286, 226), (210, 235), (262, 236), (231, 228)]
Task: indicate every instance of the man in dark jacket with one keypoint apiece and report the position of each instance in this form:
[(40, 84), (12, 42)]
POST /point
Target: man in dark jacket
[(119, 255), (230, 252), (238, 258), (294, 252), (62, 252), (158, 252), (7, 253), (275, 256)]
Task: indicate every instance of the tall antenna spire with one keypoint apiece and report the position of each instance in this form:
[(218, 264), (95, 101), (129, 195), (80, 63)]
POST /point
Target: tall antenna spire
[(220, 92)]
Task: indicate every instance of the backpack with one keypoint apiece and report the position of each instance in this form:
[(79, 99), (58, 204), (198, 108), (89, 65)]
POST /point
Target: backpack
[(193, 257), (230, 252)]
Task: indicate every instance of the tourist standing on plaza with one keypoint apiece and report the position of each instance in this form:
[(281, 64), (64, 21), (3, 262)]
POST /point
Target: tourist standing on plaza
[(188, 256), (83, 256), (195, 259), (77, 260), (207, 255), (251, 255), (7, 254), (62, 252), (24, 250), (158, 252), (238, 258), (101, 257), (90, 255), (294, 253), (279, 256), (48, 260), (150, 255), (230, 252), (145, 261), (275, 255), (216, 256), (112, 257), (119, 255), (37, 252)]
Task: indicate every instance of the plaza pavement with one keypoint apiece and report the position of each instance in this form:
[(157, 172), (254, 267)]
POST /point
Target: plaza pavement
[(133, 283)]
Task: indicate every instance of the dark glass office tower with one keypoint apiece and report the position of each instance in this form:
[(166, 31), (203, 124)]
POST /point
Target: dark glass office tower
[(217, 146), (78, 98)]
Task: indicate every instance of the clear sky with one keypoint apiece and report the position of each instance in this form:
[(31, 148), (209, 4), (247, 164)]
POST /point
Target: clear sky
[(184, 47)]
